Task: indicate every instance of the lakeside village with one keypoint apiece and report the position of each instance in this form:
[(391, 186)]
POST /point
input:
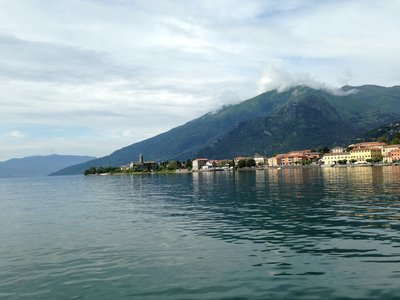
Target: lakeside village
[(366, 153)]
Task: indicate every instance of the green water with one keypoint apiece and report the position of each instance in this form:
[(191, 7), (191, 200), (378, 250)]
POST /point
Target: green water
[(274, 234)]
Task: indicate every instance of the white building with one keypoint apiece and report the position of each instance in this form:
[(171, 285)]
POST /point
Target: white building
[(260, 160), (338, 150), (198, 163)]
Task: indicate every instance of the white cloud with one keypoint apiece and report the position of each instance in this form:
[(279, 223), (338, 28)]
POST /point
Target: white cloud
[(133, 69), (14, 134), (276, 77)]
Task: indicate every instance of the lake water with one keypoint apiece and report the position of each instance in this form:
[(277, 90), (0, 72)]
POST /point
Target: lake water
[(276, 234)]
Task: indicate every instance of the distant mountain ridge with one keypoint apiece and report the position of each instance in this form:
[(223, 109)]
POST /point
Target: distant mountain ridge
[(299, 117), (34, 166)]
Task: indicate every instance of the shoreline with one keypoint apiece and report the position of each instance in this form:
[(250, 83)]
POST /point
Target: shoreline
[(248, 169)]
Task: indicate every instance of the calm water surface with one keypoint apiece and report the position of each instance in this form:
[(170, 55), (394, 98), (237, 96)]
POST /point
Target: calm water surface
[(274, 234)]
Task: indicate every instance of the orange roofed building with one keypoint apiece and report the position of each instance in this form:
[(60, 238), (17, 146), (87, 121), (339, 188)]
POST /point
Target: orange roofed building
[(294, 158)]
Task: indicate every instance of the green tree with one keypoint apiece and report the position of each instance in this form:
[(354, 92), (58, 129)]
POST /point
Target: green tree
[(241, 163), (90, 171), (395, 141), (172, 165), (323, 150), (250, 162), (100, 170), (382, 139), (188, 164)]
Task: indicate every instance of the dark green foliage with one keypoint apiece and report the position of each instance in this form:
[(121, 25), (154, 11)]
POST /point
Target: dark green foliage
[(389, 133), (307, 122), (273, 122), (188, 164), (173, 165), (250, 162), (90, 171), (224, 163), (101, 170), (323, 150), (246, 163), (241, 164)]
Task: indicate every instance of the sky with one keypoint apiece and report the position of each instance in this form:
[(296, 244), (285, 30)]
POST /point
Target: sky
[(89, 77)]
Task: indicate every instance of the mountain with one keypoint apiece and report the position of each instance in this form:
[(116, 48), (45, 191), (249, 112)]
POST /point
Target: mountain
[(388, 133), (34, 166), (274, 121), (308, 122)]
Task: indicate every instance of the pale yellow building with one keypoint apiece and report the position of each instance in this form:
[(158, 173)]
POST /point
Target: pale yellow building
[(334, 158), (359, 155), (272, 161), (364, 154)]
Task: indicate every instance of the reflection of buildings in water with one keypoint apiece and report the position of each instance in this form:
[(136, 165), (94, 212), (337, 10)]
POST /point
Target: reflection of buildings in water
[(391, 179), (299, 176), (298, 183), (206, 181), (391, 174), (262, 178), (292, 202), (342, 183), (364, 193), (196, 182), (137, 182), (355, 176), (293, 183)]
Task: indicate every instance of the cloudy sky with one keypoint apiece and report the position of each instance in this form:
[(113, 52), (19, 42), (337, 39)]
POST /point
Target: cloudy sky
[(88, 77)]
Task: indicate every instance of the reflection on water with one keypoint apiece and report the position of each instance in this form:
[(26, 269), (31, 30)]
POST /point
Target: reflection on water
[(302, 233), (301, 200)]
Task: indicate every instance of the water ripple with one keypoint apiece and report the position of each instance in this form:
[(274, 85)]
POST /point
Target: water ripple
[(273, 234)]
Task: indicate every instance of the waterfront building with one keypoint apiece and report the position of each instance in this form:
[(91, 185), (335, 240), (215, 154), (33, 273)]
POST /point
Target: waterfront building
[(395, 155), (198, 163), (210, 165), (366, 154), (312, 156), (338, 150), (142, 165), (359, 155), (293, 158), (260, 160), (274, 161), (335, 158), (386, 150), (125, 168)]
